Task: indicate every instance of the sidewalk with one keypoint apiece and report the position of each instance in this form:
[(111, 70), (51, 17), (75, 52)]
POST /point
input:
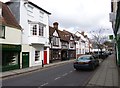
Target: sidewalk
[(106, 74), (30, 69)]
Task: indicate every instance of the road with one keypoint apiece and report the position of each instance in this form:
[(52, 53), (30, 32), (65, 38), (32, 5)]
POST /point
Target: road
[(62, 75)]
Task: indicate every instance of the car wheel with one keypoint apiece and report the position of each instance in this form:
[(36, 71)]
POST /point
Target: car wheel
[(77, 69)]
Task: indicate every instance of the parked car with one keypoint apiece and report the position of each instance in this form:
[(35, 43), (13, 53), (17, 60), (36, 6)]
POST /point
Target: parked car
[(86, 62)]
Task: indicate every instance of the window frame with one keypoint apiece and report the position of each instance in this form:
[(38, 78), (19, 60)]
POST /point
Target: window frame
[(55, 41), (3, 30), (37, 55)]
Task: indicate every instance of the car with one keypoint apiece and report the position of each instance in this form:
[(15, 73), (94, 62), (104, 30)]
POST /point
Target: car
[(86, 62)]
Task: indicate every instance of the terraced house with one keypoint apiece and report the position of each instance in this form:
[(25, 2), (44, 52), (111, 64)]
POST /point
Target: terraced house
[(35, 32), (10, 39), (63, 46), (83, 44)]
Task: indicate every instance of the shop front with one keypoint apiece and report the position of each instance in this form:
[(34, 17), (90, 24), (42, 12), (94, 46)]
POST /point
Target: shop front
[(10, 57), (72, 54)]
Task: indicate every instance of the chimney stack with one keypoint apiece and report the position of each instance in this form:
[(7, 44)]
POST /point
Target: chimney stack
[(55, 25)]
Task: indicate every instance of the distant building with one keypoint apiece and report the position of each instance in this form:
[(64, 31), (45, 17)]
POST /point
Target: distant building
[(63, 46), (83, 45)]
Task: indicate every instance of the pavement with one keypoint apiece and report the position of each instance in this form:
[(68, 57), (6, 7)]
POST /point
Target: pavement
[(106, 74)]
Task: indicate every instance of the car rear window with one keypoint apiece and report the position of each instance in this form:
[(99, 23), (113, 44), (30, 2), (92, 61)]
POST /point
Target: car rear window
[(84, 58)]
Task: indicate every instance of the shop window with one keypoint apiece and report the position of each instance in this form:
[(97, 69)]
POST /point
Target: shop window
[(2, 31), (37, 55), (10, 58)]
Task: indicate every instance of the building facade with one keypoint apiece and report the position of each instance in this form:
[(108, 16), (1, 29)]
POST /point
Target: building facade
[(10, 44), (35, 32), (115, 19)]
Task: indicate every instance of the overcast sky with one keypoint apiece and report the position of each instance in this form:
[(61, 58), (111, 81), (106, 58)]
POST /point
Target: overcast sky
[(78, 15)]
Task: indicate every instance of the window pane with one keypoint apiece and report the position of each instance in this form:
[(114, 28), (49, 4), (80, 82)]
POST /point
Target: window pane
[(41, 30), (2, 31), (37, 55), (35, 30)]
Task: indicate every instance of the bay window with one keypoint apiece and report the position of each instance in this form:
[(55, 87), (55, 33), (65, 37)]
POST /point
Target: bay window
[(37, 30)]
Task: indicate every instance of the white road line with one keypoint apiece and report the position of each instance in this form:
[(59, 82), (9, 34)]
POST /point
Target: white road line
[(65, 74), (70, 71), (44, 84), (57, 78)]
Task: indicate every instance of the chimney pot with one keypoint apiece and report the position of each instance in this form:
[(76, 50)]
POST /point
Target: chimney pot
[(55, 25)]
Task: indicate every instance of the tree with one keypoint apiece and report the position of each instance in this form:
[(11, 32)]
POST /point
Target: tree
[(99, 38)]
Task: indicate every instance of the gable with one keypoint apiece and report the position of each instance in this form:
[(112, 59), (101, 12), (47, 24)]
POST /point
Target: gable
[(55, 34), (71, 38)]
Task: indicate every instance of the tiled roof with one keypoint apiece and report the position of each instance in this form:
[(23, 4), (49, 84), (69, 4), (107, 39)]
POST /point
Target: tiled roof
[(63, 36), (8, 18), (51, 30)]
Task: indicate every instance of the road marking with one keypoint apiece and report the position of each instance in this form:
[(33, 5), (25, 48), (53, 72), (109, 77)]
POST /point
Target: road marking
[(65, 74), (44, 84), (57, 78), (70, 71)]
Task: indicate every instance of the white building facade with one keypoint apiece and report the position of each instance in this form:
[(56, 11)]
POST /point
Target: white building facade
[(80, 46), (35, 32)]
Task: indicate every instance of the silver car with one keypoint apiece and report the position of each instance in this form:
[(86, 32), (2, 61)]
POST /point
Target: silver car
[(86, 62)]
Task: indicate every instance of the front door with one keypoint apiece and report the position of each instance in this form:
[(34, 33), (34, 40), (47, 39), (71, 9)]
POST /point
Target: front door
[(25, 59), (45, 57)]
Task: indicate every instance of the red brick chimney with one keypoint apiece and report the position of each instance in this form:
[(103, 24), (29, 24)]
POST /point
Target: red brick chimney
[(55, 25)]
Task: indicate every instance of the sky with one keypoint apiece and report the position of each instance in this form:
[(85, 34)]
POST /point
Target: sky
[(78, 15)]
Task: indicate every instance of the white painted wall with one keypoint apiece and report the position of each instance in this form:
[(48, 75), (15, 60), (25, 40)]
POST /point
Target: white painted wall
[(32, 55), (12, 36), (28, 40), (81, 45)]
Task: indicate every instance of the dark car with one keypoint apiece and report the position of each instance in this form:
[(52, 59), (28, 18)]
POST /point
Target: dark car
[(86, 62)]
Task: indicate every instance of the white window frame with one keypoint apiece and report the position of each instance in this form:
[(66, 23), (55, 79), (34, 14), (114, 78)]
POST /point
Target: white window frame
[(30, 10), (41, 15), (39, 30), (37, 55), (55, 41)]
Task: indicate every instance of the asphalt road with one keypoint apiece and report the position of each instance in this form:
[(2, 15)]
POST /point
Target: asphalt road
[(62, 75)]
